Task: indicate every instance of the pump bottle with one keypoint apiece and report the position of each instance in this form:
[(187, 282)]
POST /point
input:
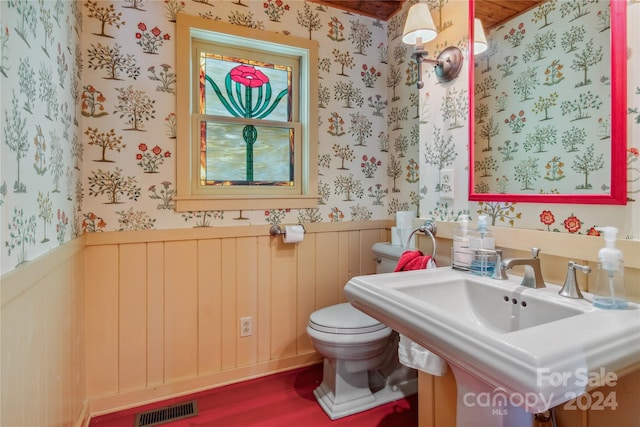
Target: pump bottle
[(462, 255), (609, 290), (480, 240), (481, 237)]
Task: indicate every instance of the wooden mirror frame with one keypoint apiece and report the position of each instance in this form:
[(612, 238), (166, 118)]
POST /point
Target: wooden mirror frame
[(618, 192)]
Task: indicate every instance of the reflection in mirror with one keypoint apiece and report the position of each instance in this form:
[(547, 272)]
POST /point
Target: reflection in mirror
[(549, 103)]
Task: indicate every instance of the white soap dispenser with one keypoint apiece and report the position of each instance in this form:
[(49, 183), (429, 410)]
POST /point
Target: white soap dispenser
[(609, 290)]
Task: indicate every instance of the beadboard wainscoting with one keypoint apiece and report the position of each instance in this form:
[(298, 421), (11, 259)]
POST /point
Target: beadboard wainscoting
[(42, 346), (163, 308)]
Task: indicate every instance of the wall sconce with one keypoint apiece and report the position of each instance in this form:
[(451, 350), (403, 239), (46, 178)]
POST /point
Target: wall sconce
[(419, 29), (479, 38)]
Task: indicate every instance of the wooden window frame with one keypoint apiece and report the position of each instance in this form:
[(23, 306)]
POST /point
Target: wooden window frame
[(192, 197)]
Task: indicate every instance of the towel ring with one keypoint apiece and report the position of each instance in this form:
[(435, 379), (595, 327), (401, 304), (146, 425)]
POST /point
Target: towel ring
[(429, 228)]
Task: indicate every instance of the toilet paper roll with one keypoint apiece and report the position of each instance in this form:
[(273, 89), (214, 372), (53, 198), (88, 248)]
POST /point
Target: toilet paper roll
[(404, 219), (293, 234)]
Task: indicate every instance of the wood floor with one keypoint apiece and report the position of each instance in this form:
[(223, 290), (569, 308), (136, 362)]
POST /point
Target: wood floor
[(281, 400)]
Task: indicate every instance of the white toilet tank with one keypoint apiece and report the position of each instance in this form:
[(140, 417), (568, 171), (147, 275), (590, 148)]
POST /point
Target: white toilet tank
[(387, 256)]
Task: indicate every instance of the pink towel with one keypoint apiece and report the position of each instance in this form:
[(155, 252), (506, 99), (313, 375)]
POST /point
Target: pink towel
[(412, 260)]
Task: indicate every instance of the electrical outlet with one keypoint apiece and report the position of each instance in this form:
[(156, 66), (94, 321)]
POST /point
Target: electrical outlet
[(245, 326), (445, 186)]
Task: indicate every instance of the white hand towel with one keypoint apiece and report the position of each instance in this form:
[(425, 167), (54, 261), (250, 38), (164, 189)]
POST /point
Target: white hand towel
[(415, 356)]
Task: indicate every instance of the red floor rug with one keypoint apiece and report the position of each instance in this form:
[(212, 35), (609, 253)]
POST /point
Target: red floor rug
[(281, 400)]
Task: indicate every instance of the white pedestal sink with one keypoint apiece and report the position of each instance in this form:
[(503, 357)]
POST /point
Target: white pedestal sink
[(535, 347)]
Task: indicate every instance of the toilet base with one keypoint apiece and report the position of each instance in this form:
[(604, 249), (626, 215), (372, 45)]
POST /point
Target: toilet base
[(347, 394)]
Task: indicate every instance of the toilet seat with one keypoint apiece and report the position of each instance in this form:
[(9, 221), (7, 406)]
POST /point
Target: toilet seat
[(344, 319)]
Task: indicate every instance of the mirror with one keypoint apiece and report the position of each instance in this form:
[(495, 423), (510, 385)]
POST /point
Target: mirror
[(548, 109)]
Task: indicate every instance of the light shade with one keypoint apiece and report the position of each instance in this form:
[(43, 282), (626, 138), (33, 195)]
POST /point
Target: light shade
[(479, 39), (419, 27)]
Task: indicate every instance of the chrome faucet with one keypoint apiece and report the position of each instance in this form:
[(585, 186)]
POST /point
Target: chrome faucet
[(532, 272), (570, 288)]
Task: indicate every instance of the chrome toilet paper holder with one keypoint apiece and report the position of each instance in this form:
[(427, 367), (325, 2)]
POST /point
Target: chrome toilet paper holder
[(275, 230)]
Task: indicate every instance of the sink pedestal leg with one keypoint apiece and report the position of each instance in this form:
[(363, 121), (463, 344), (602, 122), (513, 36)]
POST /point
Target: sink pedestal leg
[(481, 405)]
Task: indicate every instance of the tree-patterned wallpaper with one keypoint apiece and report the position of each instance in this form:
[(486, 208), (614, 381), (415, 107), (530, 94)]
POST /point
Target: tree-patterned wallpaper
[(123, 124), (41, 150), (88, 119), (130, 138)]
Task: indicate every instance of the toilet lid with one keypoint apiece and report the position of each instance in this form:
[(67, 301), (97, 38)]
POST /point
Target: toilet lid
[(343, 319)]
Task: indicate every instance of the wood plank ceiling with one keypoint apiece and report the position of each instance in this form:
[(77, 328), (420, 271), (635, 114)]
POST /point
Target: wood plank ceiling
[(382, 10), (491, 12)]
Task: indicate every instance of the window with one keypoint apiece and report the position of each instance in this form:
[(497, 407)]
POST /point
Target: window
[(246, 138)]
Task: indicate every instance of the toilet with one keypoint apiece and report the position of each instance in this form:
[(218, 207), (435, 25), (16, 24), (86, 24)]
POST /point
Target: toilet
[(361, 368)]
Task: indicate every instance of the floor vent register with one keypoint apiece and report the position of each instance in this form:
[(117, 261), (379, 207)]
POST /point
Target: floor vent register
[(166, 414)]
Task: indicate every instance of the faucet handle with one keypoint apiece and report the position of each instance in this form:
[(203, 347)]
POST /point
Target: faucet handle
[(570, 289), (535, 252)]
